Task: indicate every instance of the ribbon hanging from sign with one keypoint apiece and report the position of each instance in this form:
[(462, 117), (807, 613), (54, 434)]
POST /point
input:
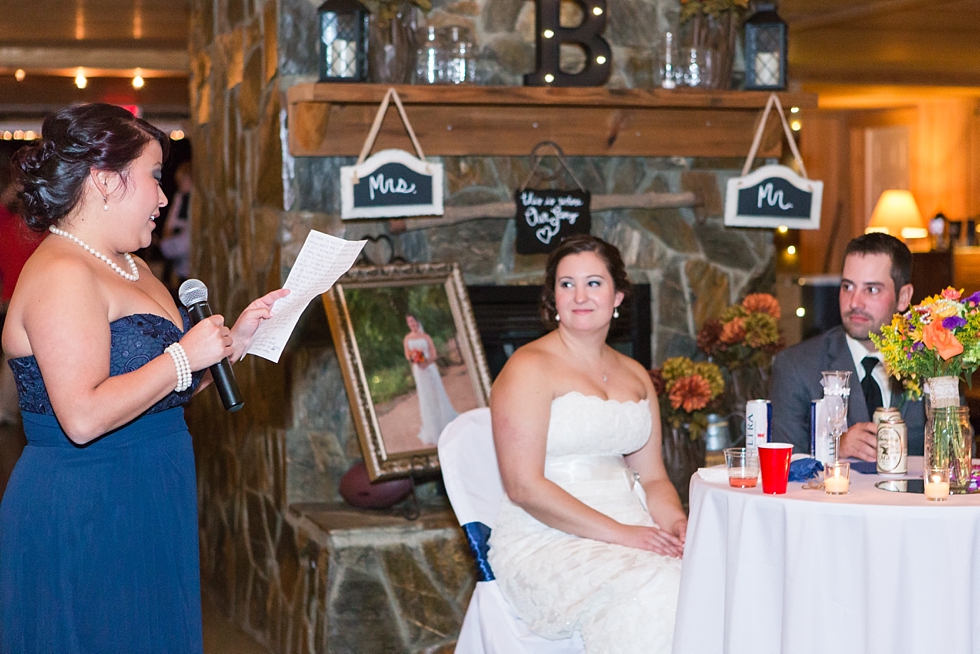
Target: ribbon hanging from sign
[(391, 183), (773, 195), (546, 216)]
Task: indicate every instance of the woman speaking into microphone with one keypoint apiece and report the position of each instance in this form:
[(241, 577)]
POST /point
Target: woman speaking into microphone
[(98, 526)]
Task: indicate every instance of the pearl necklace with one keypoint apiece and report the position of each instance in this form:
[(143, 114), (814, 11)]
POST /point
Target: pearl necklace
[(132, 276)]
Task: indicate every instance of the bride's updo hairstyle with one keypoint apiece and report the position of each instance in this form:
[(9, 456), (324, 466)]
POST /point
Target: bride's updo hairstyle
[(577, 244), (50, 173)]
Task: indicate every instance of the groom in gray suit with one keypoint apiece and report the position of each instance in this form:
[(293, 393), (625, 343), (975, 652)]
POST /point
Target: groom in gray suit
[(875, 284)]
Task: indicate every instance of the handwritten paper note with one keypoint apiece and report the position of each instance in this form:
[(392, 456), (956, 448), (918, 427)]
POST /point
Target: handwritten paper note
[(321, 262)]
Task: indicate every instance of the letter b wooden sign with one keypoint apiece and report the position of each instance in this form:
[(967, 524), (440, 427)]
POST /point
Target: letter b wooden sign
[(550, 35)]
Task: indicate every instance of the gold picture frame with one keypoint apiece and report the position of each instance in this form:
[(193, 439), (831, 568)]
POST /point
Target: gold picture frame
[(405, 381)]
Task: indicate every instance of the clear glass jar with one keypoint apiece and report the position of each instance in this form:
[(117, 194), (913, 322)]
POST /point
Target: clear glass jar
[(461, 57), (430, 62)]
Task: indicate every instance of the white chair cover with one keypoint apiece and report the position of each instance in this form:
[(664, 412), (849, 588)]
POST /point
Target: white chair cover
[(469, 469)]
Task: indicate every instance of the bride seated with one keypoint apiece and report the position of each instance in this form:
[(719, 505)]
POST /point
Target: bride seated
[(577, 433)]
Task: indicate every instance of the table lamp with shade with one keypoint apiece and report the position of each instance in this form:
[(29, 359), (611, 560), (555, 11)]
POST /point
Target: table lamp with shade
[(897, 214)]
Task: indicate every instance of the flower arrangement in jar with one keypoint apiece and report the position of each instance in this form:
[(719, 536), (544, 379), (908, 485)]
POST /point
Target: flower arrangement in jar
[(687, 392), (746, 334)]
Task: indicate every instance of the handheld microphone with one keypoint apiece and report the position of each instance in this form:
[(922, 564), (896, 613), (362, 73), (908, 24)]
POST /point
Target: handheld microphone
[(193, 295)]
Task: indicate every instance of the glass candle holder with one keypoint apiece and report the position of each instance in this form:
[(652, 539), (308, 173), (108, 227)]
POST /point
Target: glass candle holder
[(936, 483), (837, 478)]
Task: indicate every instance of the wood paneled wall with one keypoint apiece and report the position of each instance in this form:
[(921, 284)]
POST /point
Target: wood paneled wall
[(944, 168)]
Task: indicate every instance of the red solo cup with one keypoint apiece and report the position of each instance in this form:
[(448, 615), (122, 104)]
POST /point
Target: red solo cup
[(774, 465)]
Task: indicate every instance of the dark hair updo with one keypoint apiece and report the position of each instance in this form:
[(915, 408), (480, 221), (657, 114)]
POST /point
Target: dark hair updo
[(50, 173), (576, 244)]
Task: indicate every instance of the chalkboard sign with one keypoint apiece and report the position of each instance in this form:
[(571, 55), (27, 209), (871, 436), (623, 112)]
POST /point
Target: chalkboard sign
[(773, 196), (545, 217), (391, 184)]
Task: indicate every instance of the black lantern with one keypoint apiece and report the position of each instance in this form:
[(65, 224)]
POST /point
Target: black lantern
[(343, 41), (765, 49)]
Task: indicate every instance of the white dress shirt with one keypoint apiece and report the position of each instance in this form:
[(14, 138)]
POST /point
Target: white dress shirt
[(858, 353)]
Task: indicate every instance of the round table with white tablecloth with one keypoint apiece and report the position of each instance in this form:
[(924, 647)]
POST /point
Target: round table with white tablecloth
[(870, 572)]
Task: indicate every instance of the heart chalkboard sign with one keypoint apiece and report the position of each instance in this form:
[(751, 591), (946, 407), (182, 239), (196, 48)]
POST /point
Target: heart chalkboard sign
[(545, 217)]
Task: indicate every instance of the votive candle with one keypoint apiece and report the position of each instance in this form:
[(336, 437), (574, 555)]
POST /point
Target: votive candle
[(837, 478)]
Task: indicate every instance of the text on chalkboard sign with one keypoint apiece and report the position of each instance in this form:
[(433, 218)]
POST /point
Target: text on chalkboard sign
[(545, 217)]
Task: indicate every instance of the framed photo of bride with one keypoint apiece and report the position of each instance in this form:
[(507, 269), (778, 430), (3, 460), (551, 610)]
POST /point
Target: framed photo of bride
[(411, 359)]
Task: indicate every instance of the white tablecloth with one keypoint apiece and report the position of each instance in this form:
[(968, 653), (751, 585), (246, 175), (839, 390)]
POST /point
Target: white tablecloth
[(865, 573)]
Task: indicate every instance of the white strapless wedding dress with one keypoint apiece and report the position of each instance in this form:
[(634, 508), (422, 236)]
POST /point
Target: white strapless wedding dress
[(622, 600)]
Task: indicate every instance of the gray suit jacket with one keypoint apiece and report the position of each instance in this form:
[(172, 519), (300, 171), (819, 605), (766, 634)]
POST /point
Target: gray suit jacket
[(796, 375)]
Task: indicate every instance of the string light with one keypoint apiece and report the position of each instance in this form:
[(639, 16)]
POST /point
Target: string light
[(29, 135), (548, 34), (138, 81), (176, 135), (18, 135), (19, 74), (597, 11), (7, 135), (794, 110), (782, 229), (549, 78), (795, 125), (791, 250), (80, 80), (800, 312), (600, 60)]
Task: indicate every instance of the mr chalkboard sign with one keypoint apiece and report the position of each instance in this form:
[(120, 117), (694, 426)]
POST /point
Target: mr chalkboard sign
[(391, 183), (773, 195), (545, 217)]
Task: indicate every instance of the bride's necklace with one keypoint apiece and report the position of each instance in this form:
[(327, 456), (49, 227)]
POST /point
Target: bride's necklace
[(132, 276), (605, 376)]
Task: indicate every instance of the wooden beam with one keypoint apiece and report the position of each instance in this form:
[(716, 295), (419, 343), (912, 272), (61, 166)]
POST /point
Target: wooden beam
[(332, 120), (153, 61), (857, 11)]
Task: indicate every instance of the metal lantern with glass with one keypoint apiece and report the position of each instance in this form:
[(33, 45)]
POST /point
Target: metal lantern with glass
[(836, 390), (343, 41), (765, 49)]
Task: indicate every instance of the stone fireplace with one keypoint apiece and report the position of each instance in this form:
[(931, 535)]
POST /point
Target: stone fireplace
[(284, 557)]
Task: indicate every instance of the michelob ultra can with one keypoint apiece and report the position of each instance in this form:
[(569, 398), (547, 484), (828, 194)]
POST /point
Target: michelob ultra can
[(758, 423), (893, 447), (821, 440)]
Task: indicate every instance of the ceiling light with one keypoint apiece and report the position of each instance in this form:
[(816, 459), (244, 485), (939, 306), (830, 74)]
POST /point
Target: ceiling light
[(19, 74), (80, 80)]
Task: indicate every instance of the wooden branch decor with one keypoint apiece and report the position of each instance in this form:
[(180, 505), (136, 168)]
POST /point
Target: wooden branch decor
[(455, 215)]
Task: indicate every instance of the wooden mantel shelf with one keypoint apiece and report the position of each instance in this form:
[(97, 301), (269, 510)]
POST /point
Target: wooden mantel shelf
[(333, 120)]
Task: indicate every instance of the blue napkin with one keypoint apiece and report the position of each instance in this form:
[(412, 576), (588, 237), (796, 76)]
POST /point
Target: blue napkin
[(803, 469)]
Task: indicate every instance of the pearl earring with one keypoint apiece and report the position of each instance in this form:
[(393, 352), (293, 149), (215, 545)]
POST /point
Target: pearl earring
[(615, 312), (557, 317)]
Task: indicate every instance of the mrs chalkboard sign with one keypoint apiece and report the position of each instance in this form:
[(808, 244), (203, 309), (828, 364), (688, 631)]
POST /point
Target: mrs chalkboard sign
[(546, 216), (773, 195), (391, 183)]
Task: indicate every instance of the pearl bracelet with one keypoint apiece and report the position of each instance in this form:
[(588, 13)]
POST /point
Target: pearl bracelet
[(183, 366)]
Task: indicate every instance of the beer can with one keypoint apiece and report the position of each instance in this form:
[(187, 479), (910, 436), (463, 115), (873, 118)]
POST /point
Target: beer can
[(882, 412), (893, 447), (758, 423), (821, 440)]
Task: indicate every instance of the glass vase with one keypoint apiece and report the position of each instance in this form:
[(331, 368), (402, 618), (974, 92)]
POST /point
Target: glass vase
[(708, 50), (393, 46), (682, 457), (948, 432)]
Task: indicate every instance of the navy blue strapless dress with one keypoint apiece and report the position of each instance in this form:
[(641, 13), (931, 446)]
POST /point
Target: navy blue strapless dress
[(98, 543)]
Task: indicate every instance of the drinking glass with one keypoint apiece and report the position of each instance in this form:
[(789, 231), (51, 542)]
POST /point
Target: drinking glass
[(836, 390), (743, 467)]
